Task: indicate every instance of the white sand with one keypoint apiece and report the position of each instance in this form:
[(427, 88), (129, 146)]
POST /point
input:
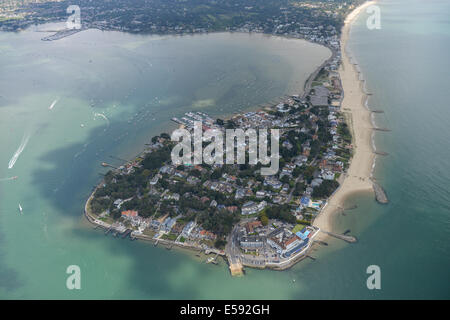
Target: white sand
[(359, 173)]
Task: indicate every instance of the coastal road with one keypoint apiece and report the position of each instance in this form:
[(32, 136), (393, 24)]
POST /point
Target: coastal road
[(232, 248)]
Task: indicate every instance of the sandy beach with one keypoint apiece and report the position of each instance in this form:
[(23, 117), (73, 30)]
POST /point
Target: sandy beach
[(358, 177)]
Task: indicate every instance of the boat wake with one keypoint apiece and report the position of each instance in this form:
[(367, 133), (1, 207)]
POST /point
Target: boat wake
[(8, 179), (16, 155), (101, 115)]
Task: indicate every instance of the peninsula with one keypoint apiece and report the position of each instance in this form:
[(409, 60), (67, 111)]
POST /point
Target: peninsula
[(232, 210)]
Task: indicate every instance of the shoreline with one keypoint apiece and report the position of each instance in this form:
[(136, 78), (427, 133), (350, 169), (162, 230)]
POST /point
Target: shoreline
[(354, 105), (359, 175)]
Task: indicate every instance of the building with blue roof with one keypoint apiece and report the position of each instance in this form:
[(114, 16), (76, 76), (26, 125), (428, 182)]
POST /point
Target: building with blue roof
[(304, 201)]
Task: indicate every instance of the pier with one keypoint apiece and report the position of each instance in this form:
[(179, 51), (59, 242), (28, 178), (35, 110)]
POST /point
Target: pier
[(60, 34), (380, 194), (381, 153), (104, 164), (350, 239)]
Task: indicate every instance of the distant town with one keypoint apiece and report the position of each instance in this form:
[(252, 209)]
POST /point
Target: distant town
[(315, 20)]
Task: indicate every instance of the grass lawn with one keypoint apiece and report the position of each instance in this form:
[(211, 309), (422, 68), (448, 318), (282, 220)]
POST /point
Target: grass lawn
[(169, 236), (298, 227)]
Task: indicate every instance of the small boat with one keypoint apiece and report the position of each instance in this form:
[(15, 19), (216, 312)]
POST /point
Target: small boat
[(53, 104), (20, 208)]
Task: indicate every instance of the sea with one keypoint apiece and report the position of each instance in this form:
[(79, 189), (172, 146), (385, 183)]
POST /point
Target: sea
[(68, 105)]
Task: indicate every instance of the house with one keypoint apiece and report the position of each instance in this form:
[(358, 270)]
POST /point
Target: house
[(327, 175), (175, 197), (155, 179), (260, 194), (273, 182), (232, 208), (168, 224), (129, 213), (118, 203), (251, 207), (193, 180), (188, 228), (167, 170), (316, 182), (304, 202)]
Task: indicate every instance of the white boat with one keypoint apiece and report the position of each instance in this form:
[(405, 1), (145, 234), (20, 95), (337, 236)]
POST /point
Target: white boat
[(53, 104), (20, 208)]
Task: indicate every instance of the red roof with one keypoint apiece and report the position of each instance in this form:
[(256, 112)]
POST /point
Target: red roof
[(130, 213), (289, 241)]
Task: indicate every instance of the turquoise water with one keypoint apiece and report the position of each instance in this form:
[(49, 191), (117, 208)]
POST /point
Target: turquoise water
[(113, 92), (406, 67)]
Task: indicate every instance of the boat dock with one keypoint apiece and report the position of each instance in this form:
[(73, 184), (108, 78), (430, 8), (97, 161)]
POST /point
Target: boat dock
[(126, 233), (212, 260), (191, 117), (104, 164)]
